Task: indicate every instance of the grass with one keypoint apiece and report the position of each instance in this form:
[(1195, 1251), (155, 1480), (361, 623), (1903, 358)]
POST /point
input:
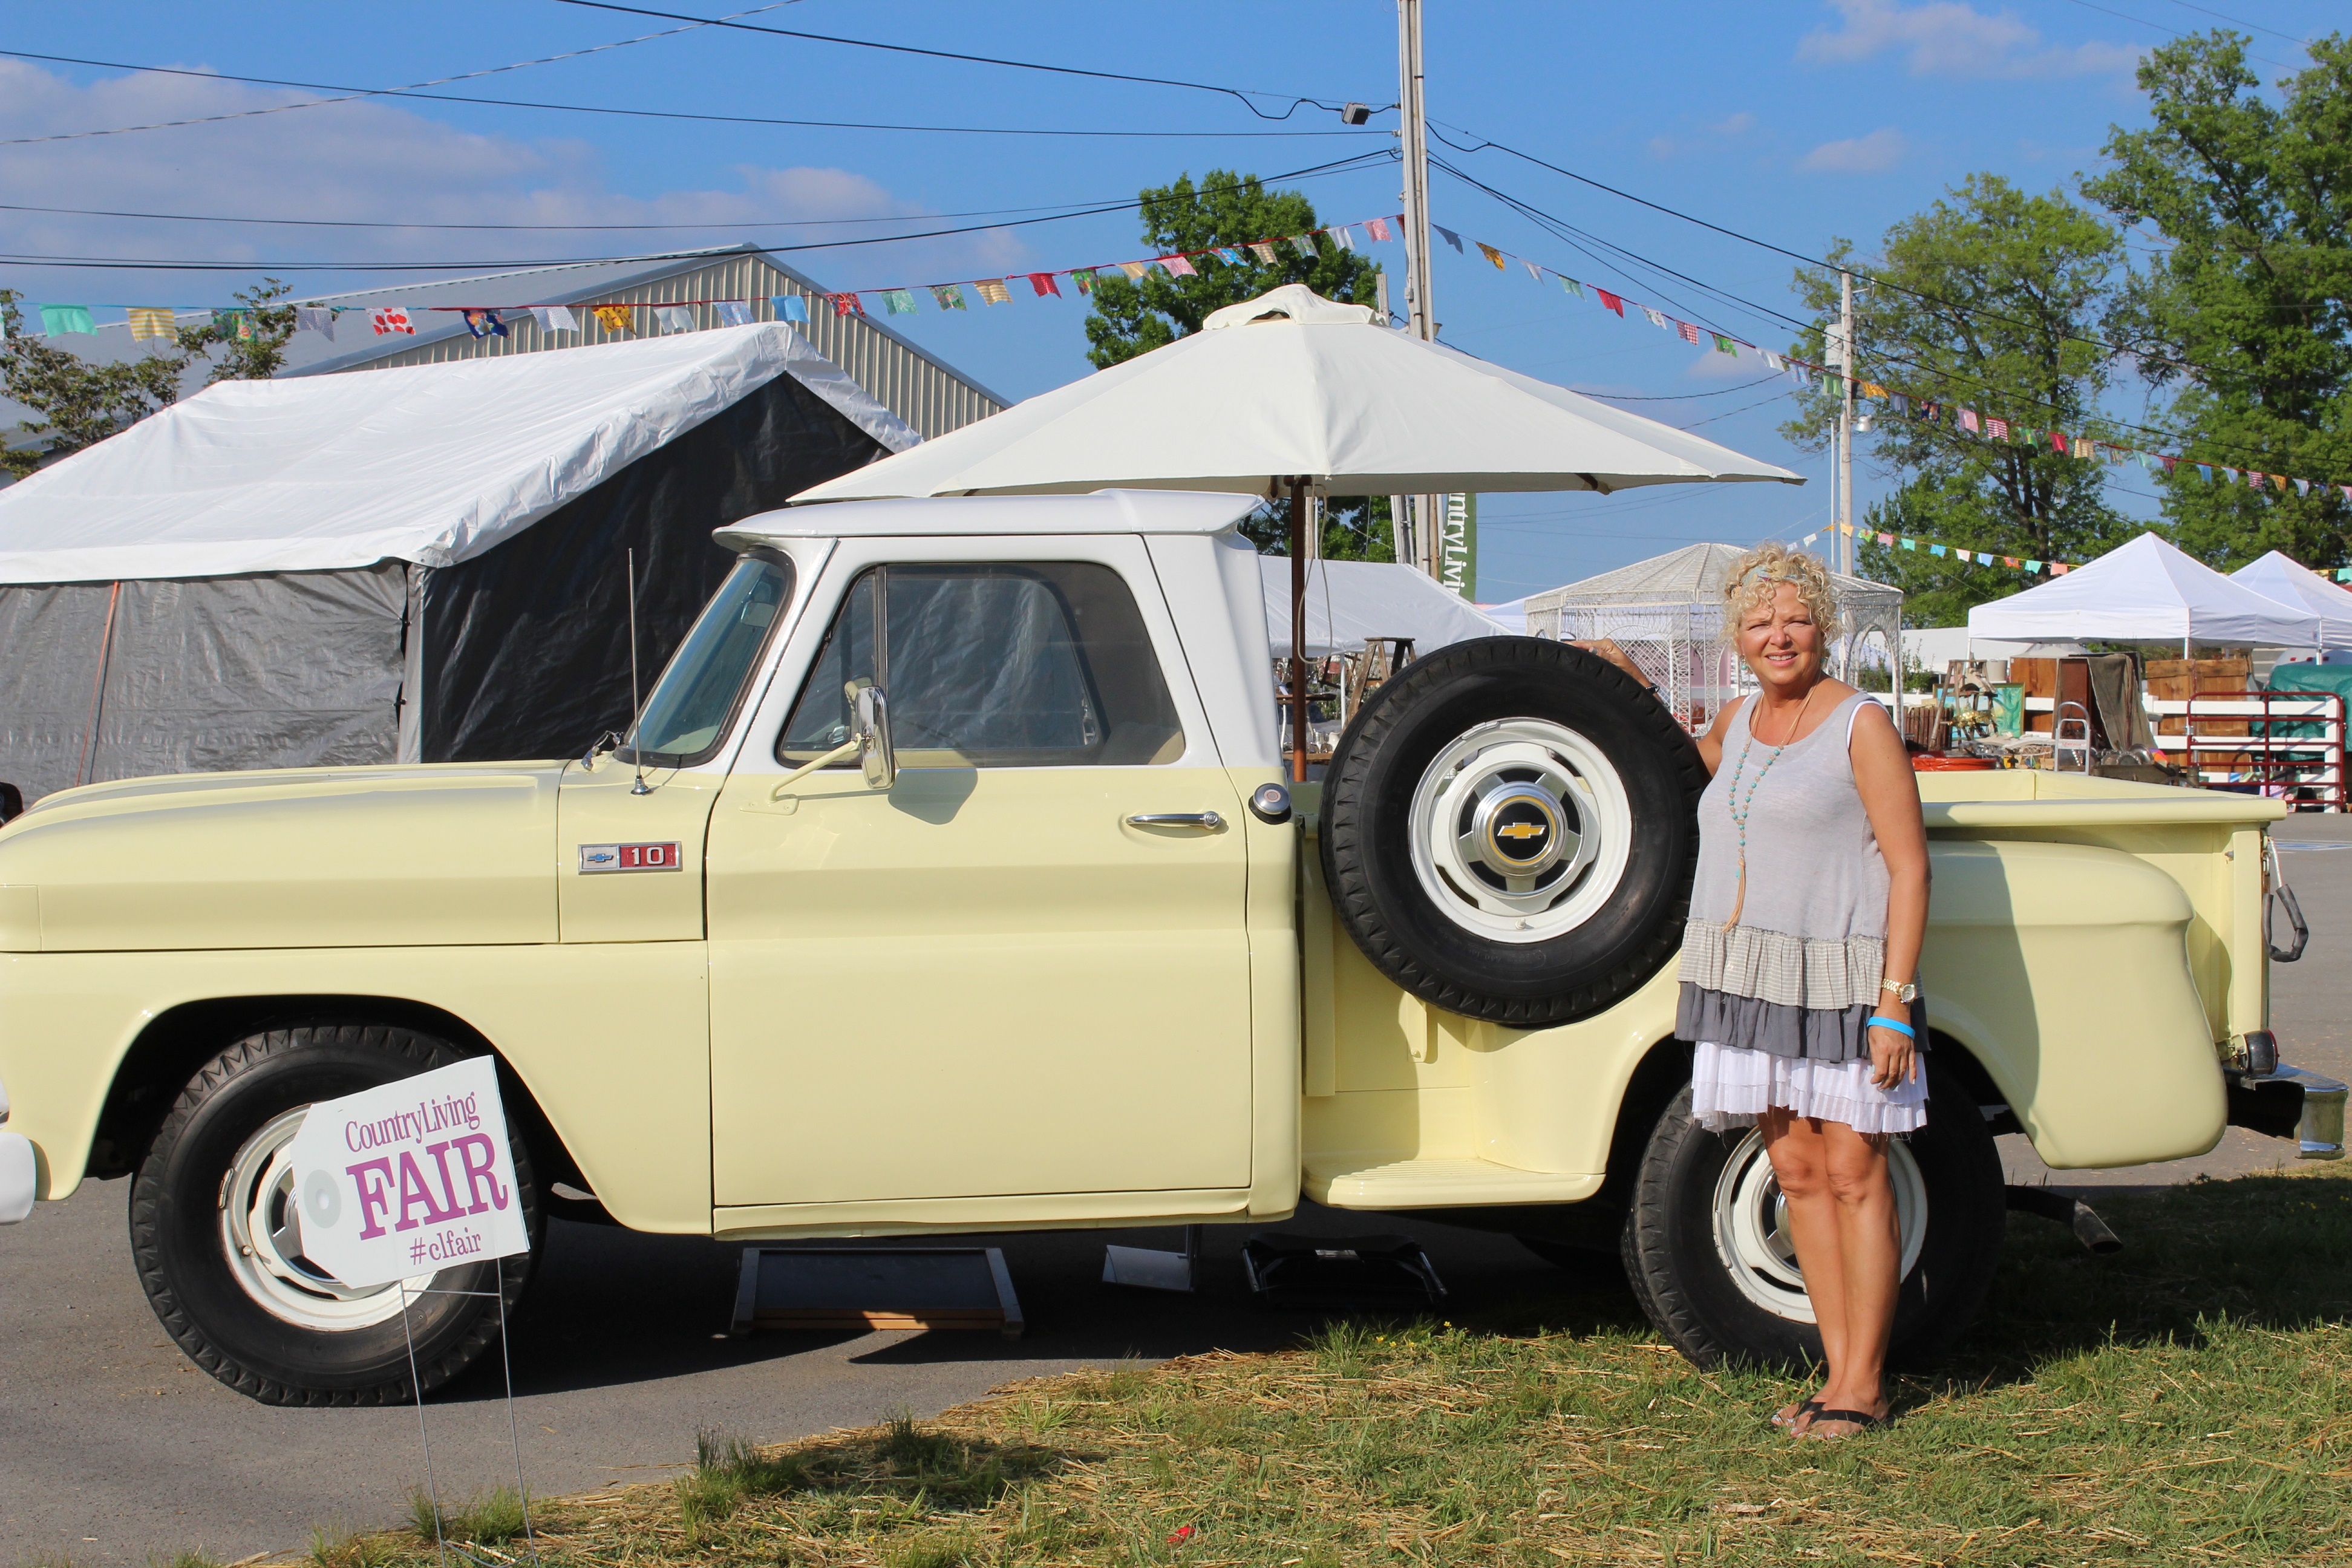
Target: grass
[(487, 1519), (2188, 1400)]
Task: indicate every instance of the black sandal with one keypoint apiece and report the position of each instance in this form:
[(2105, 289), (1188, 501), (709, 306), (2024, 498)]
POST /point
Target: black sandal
[(1797, 1413), (1859, 1420)]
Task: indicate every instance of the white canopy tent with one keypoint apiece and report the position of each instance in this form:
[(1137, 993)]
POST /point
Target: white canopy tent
[(1350, 601), (2146, 591), (2278, 576)]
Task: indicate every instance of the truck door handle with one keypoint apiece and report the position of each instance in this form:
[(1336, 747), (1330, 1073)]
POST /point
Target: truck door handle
[(1206, 821)]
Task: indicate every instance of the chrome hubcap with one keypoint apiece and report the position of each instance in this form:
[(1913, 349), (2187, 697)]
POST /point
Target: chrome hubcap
[(261, 1233), (1751, 1226), (1520, 830)]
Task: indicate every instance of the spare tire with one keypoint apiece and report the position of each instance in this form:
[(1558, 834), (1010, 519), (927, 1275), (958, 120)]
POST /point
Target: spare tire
[(1509, 828)]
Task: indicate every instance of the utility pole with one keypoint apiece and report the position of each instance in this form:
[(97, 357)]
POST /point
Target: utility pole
[(1427, 529), (1846, 415)]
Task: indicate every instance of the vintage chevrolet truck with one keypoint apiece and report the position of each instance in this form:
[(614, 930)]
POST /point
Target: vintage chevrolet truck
[(949, 881)]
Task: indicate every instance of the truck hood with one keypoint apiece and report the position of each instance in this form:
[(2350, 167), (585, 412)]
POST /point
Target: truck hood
[(438, 855)]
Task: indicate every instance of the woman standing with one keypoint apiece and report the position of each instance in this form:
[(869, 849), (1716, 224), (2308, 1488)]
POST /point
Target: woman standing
[(1799, 967)]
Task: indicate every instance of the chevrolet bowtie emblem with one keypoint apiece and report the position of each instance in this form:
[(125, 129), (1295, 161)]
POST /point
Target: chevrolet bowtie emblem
[(1520, 830)]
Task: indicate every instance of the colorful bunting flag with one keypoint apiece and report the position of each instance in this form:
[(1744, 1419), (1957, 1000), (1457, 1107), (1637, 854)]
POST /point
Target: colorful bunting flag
[(1657, 318), (993, 291), (1533, 270), (948, 295), (1378, 227), (791, 307), (150, 322), (2205, 472), (680, 318), (560, 319), (1043, 284), (1724, 345), (850, 305), (485, 324), (1178, 266), (1083, 278), (1341, 237), (1490, 253), (738, 314), (899, 302), (1229, 256), (1136, 270), (1305, 245), (389, 319), (1688, 333), (1969, 420), (621, 317), (1610, 301), (1996, 429), (1263, 252), (1934, 549), (2058, 442), (307, 319), (57, 319), (1569, 285)]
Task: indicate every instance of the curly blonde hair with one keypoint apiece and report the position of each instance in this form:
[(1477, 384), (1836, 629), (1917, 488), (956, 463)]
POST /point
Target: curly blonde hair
[(1760, 574)]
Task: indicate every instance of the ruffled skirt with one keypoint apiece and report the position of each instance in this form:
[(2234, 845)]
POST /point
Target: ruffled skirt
[(1731, 1086)]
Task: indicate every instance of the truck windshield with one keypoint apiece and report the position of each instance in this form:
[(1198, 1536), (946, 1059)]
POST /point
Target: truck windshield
[(697, 697)]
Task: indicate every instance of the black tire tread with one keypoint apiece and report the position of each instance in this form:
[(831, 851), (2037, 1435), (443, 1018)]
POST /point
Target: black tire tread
[(426, 1053)]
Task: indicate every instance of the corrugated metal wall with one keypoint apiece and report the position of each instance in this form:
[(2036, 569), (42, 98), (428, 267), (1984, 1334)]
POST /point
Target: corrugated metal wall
[(911, 383)]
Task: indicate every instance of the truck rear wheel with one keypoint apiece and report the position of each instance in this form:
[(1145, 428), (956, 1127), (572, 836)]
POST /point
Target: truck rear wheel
[(216, 1235), (1708, 1253), (1509, 828)]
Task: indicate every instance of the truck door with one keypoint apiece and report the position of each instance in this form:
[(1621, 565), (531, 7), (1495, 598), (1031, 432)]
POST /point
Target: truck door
[(996, 977)]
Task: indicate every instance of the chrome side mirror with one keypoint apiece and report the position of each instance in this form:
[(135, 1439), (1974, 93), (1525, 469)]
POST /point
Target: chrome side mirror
[(874, 752)]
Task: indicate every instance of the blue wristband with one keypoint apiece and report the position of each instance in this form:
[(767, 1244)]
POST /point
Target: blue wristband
[(1906, 1030)]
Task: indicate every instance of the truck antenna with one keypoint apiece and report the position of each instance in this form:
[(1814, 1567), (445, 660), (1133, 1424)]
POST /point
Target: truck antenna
[(637, 699)]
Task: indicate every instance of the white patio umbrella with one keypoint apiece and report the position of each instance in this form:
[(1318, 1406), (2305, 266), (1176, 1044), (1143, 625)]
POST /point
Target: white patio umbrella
[(1294, 392), (2280, 577), (2145, 591)]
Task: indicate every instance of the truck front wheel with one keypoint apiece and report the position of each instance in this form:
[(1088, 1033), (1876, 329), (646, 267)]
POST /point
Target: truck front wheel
[(217, 1239), (1708, 1251)]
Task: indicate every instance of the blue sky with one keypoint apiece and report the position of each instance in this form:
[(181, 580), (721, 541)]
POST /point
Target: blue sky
[(1789, 120)]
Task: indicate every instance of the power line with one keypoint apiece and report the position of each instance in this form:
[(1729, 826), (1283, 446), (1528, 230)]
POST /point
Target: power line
[(1678, 396), (2169, 33), (1242, 95), (1344, 166), (352, 93), (2251, 26)]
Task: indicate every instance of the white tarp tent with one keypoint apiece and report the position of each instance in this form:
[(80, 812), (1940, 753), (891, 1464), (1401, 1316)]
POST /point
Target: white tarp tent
[(433, 464), (1349, 601), (2277, 576), (420, 565), (2145, 591)]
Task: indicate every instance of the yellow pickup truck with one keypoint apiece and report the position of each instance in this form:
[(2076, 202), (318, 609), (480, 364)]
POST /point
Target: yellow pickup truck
[(949, 882)]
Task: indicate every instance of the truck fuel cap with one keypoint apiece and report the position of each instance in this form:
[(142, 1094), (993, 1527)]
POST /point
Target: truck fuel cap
[(1270, 802)]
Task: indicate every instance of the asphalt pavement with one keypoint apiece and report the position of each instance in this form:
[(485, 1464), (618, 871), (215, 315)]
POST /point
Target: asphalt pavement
[(114, 1449)]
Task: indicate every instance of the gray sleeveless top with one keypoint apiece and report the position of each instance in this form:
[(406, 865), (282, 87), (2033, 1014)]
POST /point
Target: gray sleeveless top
[(1799, 974)]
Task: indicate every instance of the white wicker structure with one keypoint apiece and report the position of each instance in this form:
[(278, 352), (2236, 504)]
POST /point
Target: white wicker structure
[(1666, 613)]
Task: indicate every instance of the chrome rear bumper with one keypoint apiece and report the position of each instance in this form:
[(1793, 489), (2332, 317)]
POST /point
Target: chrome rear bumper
[(2290, 1102)]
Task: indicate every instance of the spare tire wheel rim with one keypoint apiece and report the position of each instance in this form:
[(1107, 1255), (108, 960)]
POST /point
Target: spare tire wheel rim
[(1751, 1226), (261, 1232), (1520, 830)]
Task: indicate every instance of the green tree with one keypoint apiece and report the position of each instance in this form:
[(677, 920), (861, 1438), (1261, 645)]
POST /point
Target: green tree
[(81, 403), (2247, 316), (1228, 211), (1987, 301), (1231, 211)]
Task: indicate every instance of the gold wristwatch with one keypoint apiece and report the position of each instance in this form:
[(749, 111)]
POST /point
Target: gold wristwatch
[(1906, 990)]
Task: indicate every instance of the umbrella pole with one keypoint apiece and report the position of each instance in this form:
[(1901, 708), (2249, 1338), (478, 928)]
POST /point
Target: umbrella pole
[(1298, 629)]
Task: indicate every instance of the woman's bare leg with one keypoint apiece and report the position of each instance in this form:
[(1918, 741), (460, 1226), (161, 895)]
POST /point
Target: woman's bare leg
[(1870, 1249), (1800, 1155)]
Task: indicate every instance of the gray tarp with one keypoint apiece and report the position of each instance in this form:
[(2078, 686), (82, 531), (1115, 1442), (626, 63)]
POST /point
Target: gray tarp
[(293, 669)]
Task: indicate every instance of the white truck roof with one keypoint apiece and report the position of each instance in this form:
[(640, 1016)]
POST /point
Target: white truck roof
[(1100, 511)]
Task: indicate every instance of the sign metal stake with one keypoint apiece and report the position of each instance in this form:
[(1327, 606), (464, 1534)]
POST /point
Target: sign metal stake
[(441, 1546)]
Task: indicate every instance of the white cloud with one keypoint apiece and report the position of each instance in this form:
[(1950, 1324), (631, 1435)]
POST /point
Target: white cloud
[(1711, 365), (1948, 38), (1872, 155), (375, 160), (1740, 124)]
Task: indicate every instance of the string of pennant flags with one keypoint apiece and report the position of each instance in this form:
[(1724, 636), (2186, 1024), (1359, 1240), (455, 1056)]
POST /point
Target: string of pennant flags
[(484, 320), (2032, 568), (677, 316)]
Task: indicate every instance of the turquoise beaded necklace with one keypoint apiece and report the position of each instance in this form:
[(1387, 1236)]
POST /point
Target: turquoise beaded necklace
[(1738, 803)]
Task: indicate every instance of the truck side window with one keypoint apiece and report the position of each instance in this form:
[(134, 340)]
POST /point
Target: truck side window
[(1037, 665)]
